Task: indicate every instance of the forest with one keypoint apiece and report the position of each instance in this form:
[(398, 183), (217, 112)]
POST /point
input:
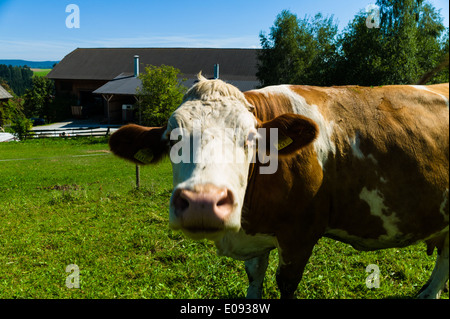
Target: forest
[(19, 78)]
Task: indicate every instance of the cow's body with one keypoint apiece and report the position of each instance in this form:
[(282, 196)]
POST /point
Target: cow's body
[(375, 177), (384, 181)]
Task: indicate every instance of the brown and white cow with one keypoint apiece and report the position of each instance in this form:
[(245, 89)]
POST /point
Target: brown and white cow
[(366, 166)]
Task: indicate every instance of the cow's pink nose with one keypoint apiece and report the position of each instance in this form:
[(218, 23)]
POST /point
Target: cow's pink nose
[(206, 208)]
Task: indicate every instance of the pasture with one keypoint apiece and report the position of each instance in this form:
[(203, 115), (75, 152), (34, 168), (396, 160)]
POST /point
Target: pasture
[(40, 72), (68, 202)]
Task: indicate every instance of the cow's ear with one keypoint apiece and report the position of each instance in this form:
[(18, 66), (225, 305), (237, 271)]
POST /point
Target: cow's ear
[(294, 132), (139, 144)]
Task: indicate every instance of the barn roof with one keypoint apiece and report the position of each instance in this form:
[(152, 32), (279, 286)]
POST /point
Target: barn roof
[(124, 84), (4, 94), (107, 63)]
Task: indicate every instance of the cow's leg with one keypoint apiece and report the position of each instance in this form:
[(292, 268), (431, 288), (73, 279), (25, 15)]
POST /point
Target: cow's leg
[(290, 268), (256, 270), (439, 276)]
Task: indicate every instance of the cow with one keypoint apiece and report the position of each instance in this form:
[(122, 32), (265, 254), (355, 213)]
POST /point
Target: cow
[(367, 166)]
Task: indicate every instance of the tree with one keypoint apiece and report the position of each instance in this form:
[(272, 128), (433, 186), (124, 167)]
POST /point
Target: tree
[(11, 114), (297, 51), (360, 58), (411, 40), (443, 75), (408, 43), (39, 98), (17, 77), (12, 108), (160, 94)]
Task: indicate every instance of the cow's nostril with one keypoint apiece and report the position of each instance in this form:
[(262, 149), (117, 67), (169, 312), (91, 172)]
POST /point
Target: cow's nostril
[(227, 199), (180, 202)]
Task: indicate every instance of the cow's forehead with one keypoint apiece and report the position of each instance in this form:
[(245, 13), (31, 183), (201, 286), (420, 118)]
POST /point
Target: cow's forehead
[(213, 103), (220, 114)]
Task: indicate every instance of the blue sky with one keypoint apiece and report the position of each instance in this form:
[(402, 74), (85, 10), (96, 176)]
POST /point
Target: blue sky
[(36, 30)]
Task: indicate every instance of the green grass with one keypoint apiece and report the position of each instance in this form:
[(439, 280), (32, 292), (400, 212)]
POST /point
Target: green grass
[(68, 202), (41, 72)]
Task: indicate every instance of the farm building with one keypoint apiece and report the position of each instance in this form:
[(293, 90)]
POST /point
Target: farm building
[(4, 95), (104, 82)]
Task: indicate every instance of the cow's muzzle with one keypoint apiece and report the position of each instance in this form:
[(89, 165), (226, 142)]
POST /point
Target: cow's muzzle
[(205, 209)]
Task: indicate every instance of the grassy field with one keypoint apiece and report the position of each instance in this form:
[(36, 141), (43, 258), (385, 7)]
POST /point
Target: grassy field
[(40, 72), (72, 202)]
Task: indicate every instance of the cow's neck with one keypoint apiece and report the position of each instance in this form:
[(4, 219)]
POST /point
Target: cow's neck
[(268, 106)]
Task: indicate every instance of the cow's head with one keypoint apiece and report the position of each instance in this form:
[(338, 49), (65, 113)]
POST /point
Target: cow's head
[(211, 140)]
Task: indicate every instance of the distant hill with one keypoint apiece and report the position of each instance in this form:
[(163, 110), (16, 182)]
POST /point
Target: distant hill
[(30, 64)]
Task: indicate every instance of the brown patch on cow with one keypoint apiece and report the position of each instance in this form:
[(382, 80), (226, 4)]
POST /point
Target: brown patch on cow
[(291, 187), (313, 95), (318, 96), (268, 106)]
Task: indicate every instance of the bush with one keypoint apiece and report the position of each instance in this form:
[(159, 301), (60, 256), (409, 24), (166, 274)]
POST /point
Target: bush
[(20, 126), (12, 116), (39, 98), (160, 94)]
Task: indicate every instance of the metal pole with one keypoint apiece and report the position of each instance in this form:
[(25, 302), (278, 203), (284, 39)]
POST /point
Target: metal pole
[(216, 71), (138, 170), (138, 177)]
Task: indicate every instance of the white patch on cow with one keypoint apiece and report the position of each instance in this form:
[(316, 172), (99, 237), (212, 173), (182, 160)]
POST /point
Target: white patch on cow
[(354, 144), (376, 203), (323, 145), (242, 246), (425, 88)]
